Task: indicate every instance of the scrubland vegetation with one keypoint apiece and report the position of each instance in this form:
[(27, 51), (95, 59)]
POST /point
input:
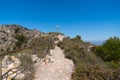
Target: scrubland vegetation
[(110, 51), (98, 64), (39, 46), (21, 39)]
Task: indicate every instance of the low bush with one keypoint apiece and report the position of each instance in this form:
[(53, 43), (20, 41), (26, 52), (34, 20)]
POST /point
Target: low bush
[(94, 72), (27, 65), (110, 50), (21, 39), (41, 46)]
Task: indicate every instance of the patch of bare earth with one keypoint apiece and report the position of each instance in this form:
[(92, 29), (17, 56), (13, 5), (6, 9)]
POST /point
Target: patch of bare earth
[(54, 67)]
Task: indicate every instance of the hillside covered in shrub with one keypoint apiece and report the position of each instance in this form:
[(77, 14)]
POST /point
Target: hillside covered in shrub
[(90, 64), (31, 46)]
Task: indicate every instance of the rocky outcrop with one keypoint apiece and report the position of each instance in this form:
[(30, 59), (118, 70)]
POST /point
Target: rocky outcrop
[(8, 32), (10, 68), (60, 38), (10, 62)]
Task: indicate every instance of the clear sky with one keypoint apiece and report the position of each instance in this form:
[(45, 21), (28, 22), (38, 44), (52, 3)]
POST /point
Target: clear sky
[(92, 19)]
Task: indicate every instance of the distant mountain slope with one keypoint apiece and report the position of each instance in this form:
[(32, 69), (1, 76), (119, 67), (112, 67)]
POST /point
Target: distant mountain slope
[(97, 42)]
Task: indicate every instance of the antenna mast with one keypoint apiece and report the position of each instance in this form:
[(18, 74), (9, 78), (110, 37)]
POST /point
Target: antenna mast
[(57, 28)]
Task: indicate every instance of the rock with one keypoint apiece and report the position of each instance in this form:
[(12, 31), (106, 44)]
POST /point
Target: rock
[(6, 61), (34, 58), (11, 62), (20, 76), (60, 37), (90, 47)]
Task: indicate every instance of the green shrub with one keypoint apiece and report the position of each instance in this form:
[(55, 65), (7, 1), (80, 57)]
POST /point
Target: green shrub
[(17, 30), (26, 60), (78, 37), (27, 65), (114, 65), (110, 50), (8, 48), (2, 50), (21, 39)]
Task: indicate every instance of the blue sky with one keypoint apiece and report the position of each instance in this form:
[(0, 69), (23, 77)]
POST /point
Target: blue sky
[(92, 19)]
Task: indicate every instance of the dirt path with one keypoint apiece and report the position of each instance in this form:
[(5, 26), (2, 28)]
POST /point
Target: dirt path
[(57, 67)]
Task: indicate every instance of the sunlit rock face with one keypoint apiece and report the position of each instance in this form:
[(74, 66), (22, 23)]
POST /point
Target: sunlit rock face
[(8, 32), (10, 66)]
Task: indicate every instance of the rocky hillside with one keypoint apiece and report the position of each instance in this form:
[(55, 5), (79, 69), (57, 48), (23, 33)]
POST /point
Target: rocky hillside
[(20, 48), (33, 55), (10, 36)]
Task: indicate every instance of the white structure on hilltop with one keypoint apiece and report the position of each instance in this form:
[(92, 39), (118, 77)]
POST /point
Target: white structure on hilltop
[(57, 28)]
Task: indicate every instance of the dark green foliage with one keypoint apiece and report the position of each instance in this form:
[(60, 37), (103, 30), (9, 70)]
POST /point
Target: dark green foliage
[(115, 65), (2, 50), (17, 30), (18, 44), (20, 37), (78, 37), (26, 28), (110, 50), (20, 40), (8, 48)]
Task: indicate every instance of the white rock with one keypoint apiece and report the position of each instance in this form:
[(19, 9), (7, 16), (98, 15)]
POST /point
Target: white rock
[(20, 76), (34, 58)]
